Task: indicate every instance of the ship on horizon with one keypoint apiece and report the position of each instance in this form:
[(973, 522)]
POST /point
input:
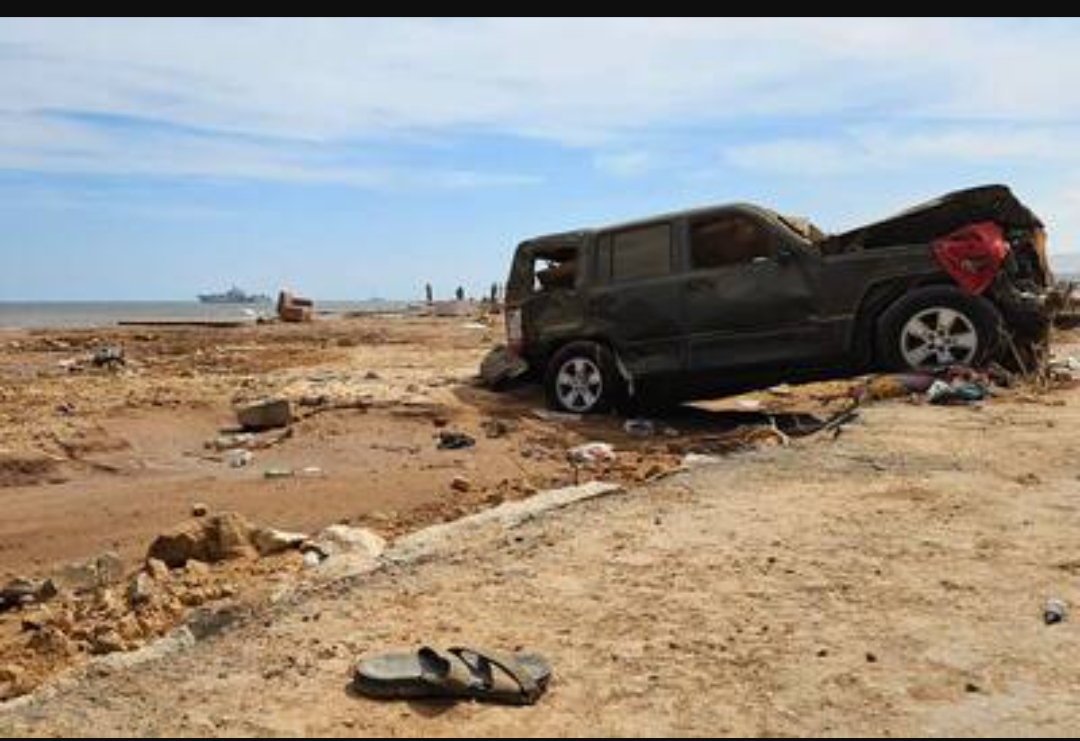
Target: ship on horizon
[(233, 296)]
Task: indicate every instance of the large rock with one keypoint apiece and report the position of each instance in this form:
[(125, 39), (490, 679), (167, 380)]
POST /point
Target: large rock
[(265, 415), (222, 537)]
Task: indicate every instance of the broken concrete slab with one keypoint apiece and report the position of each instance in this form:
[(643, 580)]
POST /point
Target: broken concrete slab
[(338, 540), (268, 541)]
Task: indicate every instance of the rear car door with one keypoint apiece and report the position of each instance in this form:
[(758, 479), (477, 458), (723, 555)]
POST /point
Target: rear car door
[(749, 294), (635, 300)]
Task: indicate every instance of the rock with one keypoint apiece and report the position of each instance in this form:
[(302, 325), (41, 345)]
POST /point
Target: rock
[(230, 442), (107, 641), (454, 440), (102, 571), (265, 415), (239, 458), (219, 538), (19, 592), (338, 540), (157, 570), (268, 541), (12, 682), (196, 569), (312, 559), (500, 366), (52, 642), (460, 483), (495, 428), (199, 510), (141, 589)]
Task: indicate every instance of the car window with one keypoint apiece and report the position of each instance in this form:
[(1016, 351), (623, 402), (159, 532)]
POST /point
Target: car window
[(639, 253), (728, 240)]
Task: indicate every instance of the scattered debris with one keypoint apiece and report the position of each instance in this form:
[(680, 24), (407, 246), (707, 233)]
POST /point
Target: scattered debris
[(231, 441), (957, 392), (239, 458), (500, 366), (265, 415), (110, 357), (640, 427), (449, 440), (591, 453), (696, 460), (295, 309), (1055, 611), (496, 428), (460, 483), (21, 592), (548, 415), (199, 510)]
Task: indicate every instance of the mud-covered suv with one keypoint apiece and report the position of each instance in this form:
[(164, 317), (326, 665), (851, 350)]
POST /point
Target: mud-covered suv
[(730, 298)]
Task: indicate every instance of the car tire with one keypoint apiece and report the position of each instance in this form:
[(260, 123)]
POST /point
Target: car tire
[(938, 326), (583, 378)]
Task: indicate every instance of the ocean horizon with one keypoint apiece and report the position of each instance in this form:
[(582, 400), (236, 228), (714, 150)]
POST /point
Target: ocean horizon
[(102, 313)]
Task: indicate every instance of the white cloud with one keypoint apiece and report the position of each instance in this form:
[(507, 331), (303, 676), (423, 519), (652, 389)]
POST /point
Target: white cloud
[(284, 87), (897, 147), (625, 164)]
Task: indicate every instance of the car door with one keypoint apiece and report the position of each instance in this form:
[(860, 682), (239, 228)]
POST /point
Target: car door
[(635, 299), (749, 294)]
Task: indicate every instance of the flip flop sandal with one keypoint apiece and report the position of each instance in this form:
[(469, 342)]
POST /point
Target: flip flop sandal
[(458, 673)]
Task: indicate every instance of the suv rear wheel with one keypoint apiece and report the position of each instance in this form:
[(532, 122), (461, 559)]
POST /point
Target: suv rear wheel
[(938, 326), (582, 378)]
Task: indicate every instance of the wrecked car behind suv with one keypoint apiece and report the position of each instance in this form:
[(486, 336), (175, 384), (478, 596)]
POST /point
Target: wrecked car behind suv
[(735, 297)]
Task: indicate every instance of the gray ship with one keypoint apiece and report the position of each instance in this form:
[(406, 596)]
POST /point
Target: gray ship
[(233, 296)]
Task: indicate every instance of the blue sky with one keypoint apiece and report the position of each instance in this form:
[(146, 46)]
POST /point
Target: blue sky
[(157, 158)]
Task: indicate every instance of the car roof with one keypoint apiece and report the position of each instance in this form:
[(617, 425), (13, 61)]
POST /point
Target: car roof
[(690, 213)]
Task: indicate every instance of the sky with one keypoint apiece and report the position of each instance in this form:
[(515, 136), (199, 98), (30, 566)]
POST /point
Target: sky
[(359, 158)]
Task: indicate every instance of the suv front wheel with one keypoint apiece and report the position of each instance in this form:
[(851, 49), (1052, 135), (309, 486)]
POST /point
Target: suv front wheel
[(582, 378)]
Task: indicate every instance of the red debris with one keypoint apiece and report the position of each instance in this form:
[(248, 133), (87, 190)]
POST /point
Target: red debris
[(972, 255)]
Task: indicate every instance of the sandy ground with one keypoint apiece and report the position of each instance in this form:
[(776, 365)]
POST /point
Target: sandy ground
[(887, 582), (95, 460)]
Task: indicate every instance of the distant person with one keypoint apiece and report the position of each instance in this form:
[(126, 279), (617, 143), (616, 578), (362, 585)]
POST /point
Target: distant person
[(430, 293), (460, 293)]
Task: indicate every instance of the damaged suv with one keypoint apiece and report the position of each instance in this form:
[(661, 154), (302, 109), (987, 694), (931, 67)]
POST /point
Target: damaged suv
[(736, 297)]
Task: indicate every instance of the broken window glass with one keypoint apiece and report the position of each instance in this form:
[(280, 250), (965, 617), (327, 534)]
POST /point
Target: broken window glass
[(728, 240)]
